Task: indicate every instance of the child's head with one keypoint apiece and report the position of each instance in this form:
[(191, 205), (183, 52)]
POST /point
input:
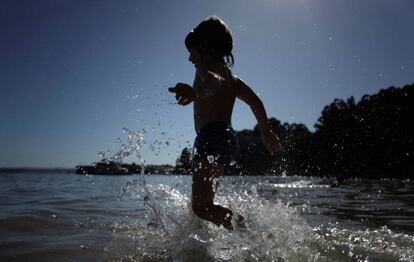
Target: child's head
[(212, 37)]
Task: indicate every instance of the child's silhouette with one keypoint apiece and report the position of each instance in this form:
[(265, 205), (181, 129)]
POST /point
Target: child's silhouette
[(214, 91)]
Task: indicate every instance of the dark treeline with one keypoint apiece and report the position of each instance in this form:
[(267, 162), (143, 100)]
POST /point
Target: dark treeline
[(372, 139)]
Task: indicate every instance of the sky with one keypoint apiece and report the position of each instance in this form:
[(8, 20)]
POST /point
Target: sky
[(74, 74)]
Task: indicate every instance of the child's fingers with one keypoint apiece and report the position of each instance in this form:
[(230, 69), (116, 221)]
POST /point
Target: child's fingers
[(178, 87), (272, 147), (270, 150), (175, 89), (275, 147), (186, 102), (182, 100)]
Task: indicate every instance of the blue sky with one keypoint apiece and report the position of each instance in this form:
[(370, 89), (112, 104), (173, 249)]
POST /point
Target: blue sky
[(74, 73)]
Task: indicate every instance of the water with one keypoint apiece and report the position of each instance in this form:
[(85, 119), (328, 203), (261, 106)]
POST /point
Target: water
[(68, 217)]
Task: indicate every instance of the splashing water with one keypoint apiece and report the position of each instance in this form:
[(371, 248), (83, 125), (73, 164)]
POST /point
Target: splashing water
[(165, 228), (132, 147), (135, 143), (169, 231)]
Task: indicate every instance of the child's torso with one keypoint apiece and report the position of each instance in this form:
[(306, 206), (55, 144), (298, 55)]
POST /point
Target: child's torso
[(219, 107)]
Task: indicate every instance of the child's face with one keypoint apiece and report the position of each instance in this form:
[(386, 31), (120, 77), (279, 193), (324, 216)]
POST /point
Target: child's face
[(195, 57), (198, 58)]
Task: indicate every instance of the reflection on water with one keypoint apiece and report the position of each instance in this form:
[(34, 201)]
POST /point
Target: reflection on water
[(56, 217)]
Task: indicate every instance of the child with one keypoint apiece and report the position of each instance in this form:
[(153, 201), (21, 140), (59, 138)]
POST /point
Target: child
[(214, 91)]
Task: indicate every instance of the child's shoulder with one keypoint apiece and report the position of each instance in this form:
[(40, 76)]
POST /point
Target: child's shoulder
[(236, 79), (219, 72)]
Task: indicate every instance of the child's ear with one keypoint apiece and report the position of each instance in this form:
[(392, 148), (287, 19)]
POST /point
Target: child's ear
[(204, 56), (207, 56)]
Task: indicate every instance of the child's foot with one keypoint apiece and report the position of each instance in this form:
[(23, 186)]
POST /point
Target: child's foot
[(240, 222), (234, 223)]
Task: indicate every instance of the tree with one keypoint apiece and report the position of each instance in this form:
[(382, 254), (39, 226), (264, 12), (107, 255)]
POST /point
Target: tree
[(183, 163), (373, 138)]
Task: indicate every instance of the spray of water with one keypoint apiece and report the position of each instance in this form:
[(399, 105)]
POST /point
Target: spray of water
[(165, 228), (168, 230)]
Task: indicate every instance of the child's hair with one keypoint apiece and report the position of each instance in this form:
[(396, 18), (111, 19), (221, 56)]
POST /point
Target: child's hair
[(213, 37)]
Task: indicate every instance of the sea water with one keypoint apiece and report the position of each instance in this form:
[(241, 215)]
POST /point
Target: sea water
[(68, 217)]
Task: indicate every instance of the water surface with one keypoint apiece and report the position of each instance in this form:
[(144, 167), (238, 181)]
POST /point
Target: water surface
[(68, 217)]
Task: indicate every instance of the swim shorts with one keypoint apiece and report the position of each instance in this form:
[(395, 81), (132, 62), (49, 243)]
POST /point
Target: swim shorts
[(217, 143)]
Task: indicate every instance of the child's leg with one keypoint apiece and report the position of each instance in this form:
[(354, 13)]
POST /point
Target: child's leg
[(203, 192)]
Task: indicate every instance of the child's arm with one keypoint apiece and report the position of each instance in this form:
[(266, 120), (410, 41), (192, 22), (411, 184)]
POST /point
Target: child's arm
[(209, 84), (270, 140), (184, 93)]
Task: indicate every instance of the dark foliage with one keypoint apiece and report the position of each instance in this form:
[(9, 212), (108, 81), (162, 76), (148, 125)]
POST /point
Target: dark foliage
[(373, 138), (183, 163)]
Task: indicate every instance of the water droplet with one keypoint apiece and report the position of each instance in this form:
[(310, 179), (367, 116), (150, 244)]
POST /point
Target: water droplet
[(210, 159)]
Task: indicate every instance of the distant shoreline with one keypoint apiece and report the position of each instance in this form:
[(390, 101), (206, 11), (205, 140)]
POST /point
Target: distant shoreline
[(61, 170), (36, 170)]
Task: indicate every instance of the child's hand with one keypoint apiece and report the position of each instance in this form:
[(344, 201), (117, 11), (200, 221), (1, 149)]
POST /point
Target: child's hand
[(184, 93), (271, 141)]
